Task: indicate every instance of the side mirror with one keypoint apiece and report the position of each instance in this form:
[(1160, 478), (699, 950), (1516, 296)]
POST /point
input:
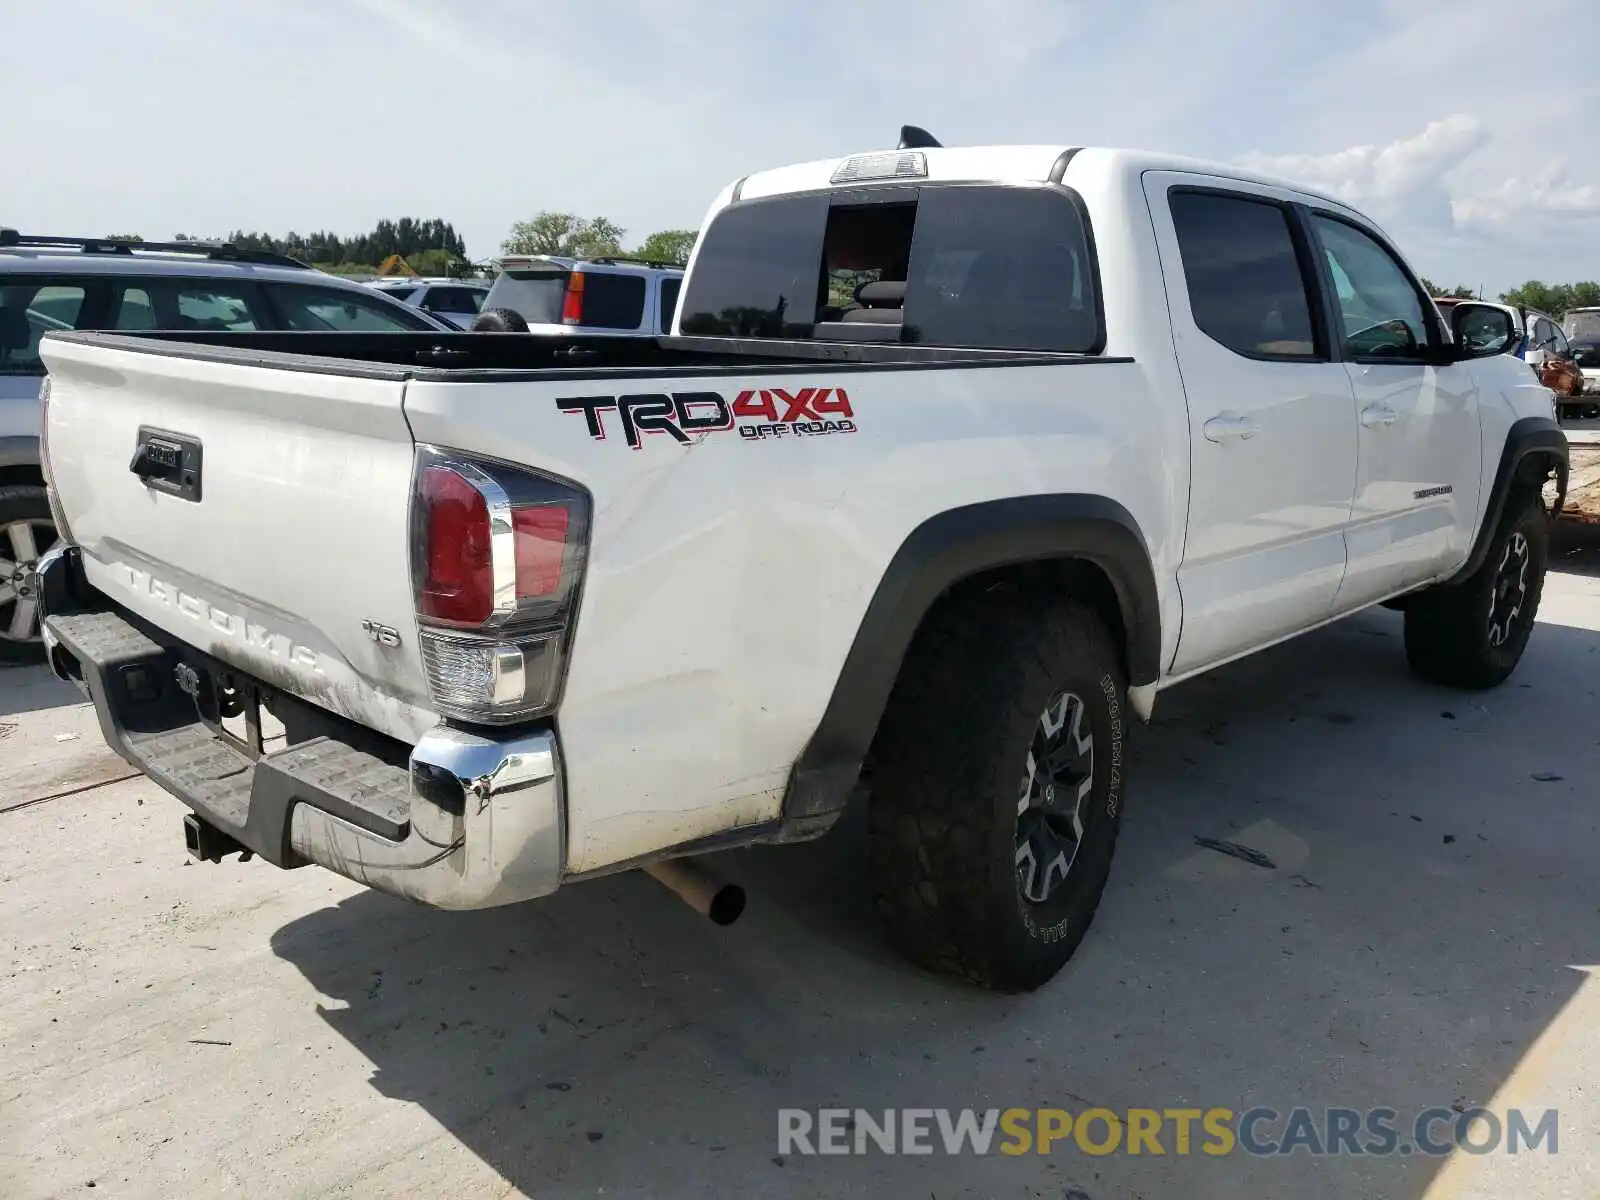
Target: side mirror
[(1482, 330)]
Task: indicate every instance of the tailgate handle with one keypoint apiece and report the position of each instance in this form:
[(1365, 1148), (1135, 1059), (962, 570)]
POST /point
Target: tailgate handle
[(168, 462)]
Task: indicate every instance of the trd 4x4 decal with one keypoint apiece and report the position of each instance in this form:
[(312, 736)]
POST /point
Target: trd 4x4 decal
[(757, 413)]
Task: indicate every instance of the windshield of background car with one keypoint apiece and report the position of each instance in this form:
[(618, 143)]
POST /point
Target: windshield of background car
[(966, 265), (1583, 326)]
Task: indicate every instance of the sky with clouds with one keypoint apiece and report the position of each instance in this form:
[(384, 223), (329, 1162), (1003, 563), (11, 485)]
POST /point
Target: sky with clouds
[(1470, 129)]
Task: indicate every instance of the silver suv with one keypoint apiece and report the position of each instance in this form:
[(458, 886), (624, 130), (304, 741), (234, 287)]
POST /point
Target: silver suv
[(606, 297), (85, 283)]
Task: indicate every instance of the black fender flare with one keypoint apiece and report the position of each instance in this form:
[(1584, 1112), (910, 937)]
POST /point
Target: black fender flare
[(1528, 436), (945, 549)]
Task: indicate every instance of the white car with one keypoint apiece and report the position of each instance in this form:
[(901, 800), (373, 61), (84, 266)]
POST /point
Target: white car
[(956, 460), (595, 297), (457, 302)]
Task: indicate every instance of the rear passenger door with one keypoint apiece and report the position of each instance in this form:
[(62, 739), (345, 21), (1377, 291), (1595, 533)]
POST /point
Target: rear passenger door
[(1271, 416)]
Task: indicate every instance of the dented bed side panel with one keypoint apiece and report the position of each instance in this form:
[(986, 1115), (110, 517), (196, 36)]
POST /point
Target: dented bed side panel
[(742, 523)]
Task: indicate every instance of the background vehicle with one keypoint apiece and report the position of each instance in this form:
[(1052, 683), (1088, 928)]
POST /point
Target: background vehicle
[(454, 301), (1543, 346), (52, 283), (1582, 327), (1553, 360), (606, 297), (958, 457)]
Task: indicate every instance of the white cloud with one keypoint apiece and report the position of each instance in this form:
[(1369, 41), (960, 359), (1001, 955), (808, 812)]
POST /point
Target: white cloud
[(1410, 179), (330, 114), (1403, 174), (1520, 201)]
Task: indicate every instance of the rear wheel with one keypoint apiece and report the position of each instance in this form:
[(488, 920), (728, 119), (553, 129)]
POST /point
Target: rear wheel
[(997, 788), (1472, 634), (27, 530)]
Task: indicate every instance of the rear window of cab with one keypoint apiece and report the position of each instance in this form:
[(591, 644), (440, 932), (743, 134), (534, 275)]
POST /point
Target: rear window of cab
[(962, 265)]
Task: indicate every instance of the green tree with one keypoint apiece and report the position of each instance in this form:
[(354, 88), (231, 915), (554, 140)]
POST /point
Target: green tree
[(1459, 292), (407, 236), (668, 245), (123, 237), (1552, 298), (564, 234), (1585, 295)]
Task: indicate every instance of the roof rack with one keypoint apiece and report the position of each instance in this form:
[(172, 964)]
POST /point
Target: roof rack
[(10, 239), (611, 260)]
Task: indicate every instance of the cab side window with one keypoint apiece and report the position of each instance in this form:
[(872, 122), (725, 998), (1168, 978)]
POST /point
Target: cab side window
[(1380, 308), (1547, 337), (1247, 290), (669, 301), (177, 303), (28, 310)]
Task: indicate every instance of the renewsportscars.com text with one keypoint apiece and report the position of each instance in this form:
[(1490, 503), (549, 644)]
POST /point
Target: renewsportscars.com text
[(1161, 1131)]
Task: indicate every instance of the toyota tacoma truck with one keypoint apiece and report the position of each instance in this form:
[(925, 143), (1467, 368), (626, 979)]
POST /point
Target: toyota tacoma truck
[(955, 458)]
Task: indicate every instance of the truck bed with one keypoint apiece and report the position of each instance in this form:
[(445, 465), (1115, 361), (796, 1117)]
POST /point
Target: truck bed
[(464, 357)]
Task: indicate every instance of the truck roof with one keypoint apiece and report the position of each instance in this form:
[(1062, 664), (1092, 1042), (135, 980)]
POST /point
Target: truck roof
[(1001, 164)]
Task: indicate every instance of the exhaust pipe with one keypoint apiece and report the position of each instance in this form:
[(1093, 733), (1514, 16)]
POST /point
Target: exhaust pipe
[(700, 888)]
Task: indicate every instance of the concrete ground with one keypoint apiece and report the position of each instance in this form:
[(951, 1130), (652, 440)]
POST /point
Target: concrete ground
[(1426, 936)]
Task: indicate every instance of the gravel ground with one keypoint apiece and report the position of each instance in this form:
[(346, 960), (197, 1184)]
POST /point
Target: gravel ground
[(1425, 935)]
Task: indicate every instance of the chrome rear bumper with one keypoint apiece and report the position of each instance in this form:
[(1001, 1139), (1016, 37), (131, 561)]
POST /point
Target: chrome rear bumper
[(462, 820), (486, 825)]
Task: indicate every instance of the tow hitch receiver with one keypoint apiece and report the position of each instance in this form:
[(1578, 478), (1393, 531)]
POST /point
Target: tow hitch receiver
[(208, 843)]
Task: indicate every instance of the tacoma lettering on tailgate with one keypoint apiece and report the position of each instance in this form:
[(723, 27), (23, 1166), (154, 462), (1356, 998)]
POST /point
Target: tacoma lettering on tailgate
[(219, 620)]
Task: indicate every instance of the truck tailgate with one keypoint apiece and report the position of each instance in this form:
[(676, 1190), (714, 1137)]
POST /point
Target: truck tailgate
[(294, 546)]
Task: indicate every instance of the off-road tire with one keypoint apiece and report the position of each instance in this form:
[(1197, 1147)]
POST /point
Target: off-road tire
[(952, 759), (30, 505), (1449, 640)]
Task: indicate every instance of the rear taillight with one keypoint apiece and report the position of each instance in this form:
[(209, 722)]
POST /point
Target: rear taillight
[(572, 304), (457, 586), (497, 555), (541, 537)]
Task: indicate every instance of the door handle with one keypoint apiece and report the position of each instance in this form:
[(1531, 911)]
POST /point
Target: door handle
[(1378, 414), (1229, 427)]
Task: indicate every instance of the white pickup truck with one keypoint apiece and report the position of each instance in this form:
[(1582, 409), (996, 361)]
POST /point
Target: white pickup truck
[(955, 459)]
